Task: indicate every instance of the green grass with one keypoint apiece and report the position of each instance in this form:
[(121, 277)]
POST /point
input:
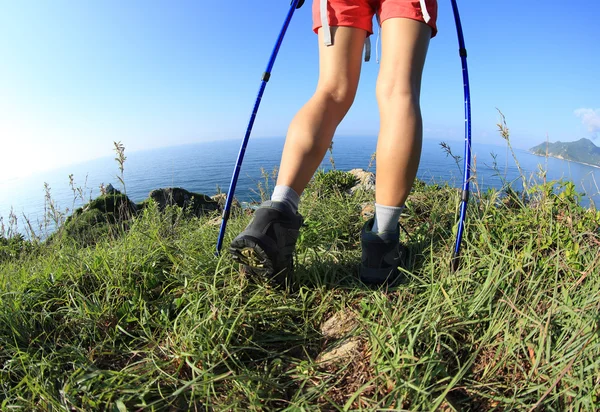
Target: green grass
[(147, 318)]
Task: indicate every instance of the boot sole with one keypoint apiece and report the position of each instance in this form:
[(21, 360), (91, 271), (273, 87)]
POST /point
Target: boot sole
[(252, 257), (254, 261)]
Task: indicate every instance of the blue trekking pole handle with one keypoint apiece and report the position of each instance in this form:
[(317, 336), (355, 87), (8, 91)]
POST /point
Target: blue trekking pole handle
[(296, 4), (467, 167)]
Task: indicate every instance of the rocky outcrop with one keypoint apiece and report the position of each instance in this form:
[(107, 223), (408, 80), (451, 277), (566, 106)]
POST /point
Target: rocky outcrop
[(97, 217), (116, 205), (364, 180), (90, 222), (198, 204), (110, 189)]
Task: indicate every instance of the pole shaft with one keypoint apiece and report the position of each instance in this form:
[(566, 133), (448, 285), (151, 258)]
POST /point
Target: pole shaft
[(467, 153), (240, 158)]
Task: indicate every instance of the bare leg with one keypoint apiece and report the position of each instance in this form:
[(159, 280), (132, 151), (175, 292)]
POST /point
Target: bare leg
[(311, 131), (404, 45)]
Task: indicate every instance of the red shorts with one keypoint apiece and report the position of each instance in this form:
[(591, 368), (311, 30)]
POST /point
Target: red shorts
[(359, 13)]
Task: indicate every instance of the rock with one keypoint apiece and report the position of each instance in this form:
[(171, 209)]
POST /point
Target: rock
[(342, 352), (365, 180), (367, 210), (90, 223), (221, 198), (339, 325), (216, 221), (116, 204), (198, 204), (110, 190)]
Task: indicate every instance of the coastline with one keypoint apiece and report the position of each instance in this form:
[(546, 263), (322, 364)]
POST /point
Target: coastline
[(562, 158)]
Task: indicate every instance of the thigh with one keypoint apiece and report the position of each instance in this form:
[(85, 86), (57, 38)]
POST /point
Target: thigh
[(420, 10), (340, 63), (404, 44)]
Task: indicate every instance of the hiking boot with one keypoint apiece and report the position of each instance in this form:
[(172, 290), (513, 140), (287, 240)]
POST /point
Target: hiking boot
[(382, 253), (267, 244)]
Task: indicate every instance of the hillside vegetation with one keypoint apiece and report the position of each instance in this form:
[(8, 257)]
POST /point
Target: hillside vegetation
[(143, 316)]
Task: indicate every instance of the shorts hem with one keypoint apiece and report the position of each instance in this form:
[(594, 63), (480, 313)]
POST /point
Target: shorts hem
[(431, 25), (342, 14), (354, 26)]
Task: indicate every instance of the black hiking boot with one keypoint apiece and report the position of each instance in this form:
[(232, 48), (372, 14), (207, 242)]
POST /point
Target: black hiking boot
[(266, 246), (382, 253)]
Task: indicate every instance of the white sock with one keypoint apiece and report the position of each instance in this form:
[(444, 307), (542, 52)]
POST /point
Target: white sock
[(386, 218), (287, 195)]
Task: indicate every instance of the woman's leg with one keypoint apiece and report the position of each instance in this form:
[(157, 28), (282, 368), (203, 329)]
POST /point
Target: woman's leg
[(267, 244), (404, 44), (404, 47), (311, 131)]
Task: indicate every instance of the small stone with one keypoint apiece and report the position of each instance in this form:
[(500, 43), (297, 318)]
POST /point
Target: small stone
[(221, 198), (342, 352), (216, 221), (339, 325), (367, 210)]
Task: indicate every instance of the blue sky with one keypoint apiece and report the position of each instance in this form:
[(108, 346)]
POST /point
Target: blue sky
[(76, 76)]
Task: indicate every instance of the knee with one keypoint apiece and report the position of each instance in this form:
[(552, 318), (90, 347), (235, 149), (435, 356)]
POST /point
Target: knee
[(396, 92), (339, 96)]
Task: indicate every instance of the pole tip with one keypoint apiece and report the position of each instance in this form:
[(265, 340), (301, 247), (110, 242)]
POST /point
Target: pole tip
[(454, 263)]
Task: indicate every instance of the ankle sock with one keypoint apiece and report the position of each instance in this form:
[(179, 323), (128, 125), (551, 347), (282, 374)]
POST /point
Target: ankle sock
[(386, 218), (287, 195)]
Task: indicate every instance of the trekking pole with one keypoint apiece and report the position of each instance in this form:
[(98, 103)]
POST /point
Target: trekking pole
[(467, 169), (296, 4)]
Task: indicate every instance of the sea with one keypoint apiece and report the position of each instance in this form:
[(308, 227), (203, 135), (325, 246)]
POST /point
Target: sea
[(208, 167)]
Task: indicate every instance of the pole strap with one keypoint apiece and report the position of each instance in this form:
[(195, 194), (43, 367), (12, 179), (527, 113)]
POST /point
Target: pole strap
[(325, 24)]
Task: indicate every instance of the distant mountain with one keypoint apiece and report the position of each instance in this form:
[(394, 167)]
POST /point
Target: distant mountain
[(581, 151)]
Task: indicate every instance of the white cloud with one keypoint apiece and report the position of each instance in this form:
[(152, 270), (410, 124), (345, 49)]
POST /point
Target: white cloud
[(590, 118)]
